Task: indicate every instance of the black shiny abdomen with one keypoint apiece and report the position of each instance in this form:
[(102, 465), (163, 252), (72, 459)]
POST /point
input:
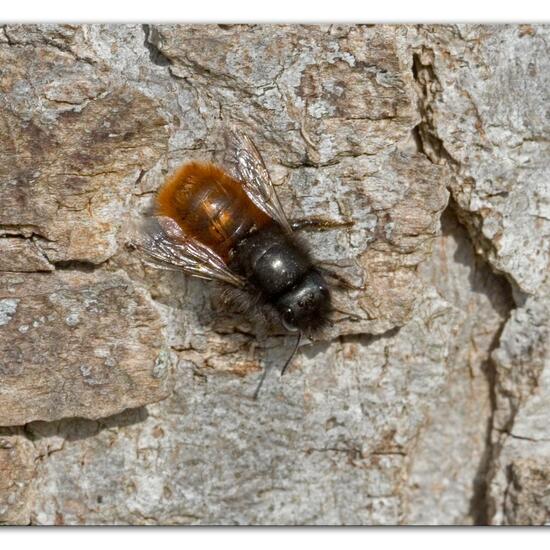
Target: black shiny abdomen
[(284, 274)]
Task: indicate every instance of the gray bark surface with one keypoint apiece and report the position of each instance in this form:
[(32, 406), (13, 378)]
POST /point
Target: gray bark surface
[(125, 392)]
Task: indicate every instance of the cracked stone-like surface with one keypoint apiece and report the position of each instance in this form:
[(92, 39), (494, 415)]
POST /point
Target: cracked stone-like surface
[(521, 438), (485, 97), (60, 354), (423, 403), (484, 108), (342, 423), (448, 470), (72, 143), (17, 456)]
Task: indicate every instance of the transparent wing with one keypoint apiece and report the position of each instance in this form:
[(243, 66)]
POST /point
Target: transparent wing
[(246, 164), (163, 242)]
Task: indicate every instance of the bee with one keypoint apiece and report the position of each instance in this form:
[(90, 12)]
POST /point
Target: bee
[(228, 225)]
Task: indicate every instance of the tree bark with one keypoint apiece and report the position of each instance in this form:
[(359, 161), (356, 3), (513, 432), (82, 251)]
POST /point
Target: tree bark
[(125, 392)]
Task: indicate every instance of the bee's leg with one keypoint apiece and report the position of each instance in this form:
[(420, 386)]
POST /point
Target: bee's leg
[(342, 281), (351, 316), (295, 349), (321, 224), (316, 223)]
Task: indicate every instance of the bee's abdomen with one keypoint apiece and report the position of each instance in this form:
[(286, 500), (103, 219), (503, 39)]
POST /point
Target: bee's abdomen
[(271, 261), (210, 206)]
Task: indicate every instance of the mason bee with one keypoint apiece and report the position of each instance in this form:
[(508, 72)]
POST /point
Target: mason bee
[(228, 225)]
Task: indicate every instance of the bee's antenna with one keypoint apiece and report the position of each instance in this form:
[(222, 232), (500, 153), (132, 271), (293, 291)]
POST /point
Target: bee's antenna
[(260, 384), (293, 353), (256, 393)]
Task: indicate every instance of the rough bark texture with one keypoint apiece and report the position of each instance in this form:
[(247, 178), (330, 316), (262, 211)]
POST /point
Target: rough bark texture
[(62, 355), (125, 392)]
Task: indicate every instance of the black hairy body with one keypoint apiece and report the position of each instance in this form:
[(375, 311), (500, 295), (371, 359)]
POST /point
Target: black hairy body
[(282, 281), (229, 227)]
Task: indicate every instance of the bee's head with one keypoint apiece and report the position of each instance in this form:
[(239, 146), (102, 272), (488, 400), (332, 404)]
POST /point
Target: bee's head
[(305, 306)]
